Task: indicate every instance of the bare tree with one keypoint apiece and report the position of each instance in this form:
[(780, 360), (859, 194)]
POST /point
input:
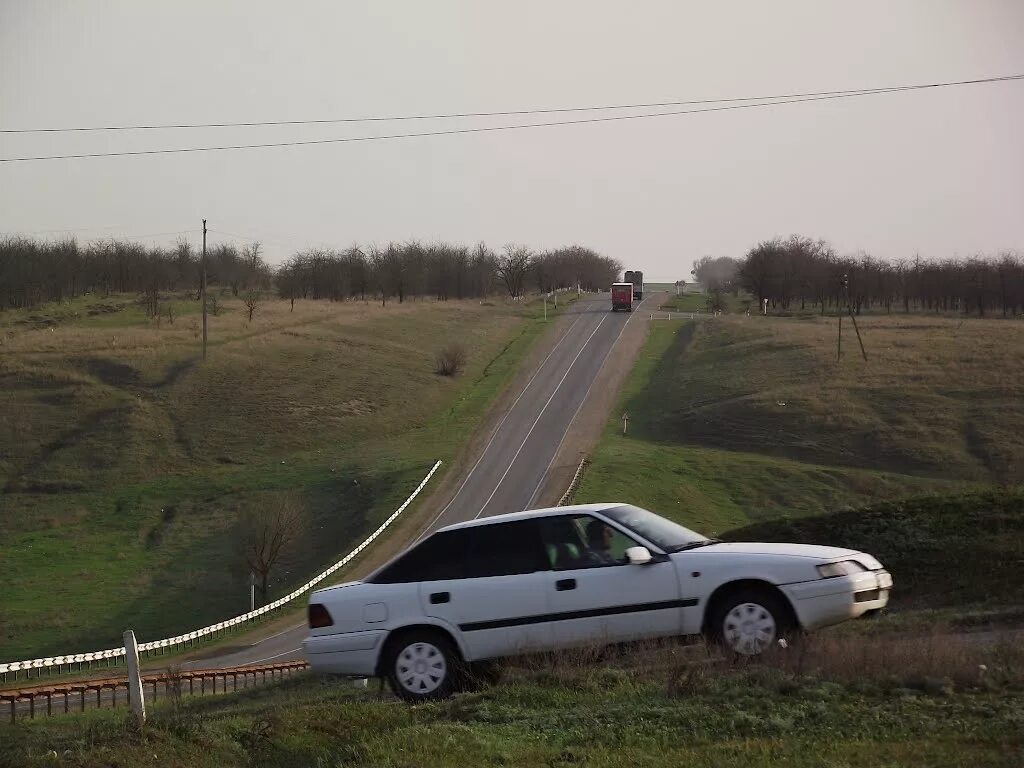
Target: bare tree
[(251, 254), (251, 301), (512, 268), (267, 534)]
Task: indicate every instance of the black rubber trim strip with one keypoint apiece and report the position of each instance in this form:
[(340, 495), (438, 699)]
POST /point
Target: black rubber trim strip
[(588, 614)]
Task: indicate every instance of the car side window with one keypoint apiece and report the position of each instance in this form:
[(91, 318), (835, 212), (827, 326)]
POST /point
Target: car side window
[(434, 558), (583, 541), (502, 549)]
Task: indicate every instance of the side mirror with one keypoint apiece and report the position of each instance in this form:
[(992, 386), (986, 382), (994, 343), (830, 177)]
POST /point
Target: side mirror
[(638, 555)]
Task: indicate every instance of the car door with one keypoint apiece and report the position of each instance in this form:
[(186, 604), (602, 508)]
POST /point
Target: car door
[(596, 597), (493, 589)]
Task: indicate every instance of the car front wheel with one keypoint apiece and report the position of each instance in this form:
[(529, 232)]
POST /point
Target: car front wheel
[(422, 666), (749, 622)]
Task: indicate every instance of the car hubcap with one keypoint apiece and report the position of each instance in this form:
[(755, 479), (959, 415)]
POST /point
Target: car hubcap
[(421, 668), (749, 628)]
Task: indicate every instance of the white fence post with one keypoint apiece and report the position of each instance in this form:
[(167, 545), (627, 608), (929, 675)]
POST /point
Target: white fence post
[(136, 696)]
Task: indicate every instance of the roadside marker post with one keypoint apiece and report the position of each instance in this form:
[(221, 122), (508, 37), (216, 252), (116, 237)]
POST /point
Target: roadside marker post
[(625, 422), (136, 696)]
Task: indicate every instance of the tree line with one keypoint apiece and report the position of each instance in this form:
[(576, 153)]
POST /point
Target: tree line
[(33, 272), (440, 270), (801, 272)]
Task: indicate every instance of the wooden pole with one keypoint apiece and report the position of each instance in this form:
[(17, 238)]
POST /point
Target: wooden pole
[(202, 289)]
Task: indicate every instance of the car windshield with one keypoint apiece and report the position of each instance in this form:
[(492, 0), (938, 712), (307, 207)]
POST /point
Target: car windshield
[(663, 533)]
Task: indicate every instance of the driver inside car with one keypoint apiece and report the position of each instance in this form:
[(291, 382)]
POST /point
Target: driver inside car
[(599, 545)]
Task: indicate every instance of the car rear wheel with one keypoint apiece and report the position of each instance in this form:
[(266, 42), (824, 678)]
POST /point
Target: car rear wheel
[(750, 621), (422, 665)]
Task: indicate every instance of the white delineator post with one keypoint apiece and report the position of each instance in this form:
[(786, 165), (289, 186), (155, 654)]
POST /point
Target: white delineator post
[(136, 698)]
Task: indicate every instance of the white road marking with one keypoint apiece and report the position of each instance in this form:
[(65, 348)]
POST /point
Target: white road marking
[(539, 416), (276, 655), (282, 632), (578, 407), (498, 428)]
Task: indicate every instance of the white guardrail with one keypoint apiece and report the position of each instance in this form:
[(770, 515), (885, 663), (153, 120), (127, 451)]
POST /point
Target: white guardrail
[(113, 653), (575, 482)]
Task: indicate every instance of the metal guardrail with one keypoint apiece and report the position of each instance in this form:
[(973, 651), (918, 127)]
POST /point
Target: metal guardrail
[(173, 684), (567, 496), (190, 637)]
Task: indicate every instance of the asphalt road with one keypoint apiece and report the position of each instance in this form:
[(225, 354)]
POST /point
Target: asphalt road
[(511, 469)]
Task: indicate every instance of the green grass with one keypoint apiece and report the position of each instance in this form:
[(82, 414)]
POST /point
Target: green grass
[(698, 302), (125, 459), (948, 551), (735, 420), (592, 716)]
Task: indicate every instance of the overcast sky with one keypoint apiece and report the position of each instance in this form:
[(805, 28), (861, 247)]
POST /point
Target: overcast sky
[(940, 171)]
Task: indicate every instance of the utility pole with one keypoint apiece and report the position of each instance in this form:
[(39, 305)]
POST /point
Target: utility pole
[(252, 591), (202, 289), (849, 308)]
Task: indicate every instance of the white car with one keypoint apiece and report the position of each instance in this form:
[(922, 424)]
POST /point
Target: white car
[(572, 576)]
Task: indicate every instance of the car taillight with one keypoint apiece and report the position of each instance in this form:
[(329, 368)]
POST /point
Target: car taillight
[(319, 617)]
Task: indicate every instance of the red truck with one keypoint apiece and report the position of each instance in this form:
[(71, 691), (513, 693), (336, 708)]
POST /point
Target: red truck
[(622, 297)]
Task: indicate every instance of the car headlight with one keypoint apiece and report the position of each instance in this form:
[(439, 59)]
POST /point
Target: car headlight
[(844, 568)]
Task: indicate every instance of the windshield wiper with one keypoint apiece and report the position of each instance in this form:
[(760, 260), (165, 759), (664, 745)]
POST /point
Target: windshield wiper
[(694, 545)]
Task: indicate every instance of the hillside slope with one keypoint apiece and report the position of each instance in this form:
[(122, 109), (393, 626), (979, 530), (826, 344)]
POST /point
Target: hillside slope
[(125, 460), (737, 419)]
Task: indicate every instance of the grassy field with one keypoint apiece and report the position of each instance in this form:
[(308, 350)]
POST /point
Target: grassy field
[(125, 460), (698, 302), (902, 703), (736, 419), (979, 537)]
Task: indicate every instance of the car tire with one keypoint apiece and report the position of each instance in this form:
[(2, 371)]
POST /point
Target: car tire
[(422, 665), (749, 621)]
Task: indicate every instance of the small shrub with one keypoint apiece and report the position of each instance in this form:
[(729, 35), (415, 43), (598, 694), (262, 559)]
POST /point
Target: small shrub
[(451, 360)]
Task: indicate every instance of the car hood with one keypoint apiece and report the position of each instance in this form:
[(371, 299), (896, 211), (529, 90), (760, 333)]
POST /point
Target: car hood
[(812, 551)]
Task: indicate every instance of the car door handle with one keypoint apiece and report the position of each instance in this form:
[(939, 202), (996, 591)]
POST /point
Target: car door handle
[(562, 585), (439, 597)]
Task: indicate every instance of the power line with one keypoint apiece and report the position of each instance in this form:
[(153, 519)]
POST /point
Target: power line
[(510, 113), (488, 129), (80, 229), (85, 229)]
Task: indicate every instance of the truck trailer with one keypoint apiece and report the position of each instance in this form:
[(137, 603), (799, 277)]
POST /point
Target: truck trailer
[(622, 297), (636, 277)]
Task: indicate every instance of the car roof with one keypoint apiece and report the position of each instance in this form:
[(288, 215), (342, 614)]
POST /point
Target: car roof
[(533, 513)]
